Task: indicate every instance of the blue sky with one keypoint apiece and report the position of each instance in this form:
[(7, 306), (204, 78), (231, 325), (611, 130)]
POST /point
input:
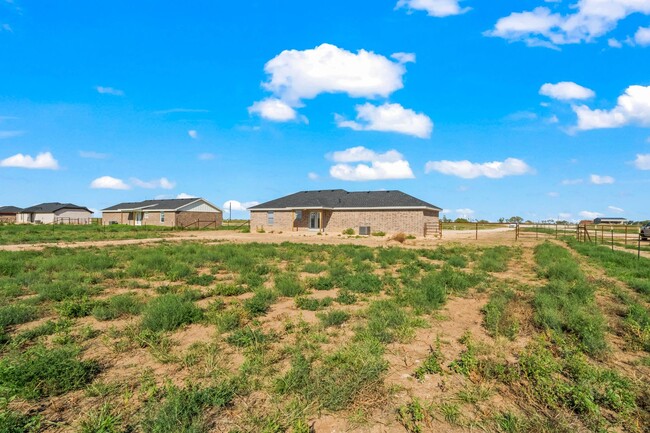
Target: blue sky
[(532, 108)]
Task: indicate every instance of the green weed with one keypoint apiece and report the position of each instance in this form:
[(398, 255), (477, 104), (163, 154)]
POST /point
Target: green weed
[(169, 312)]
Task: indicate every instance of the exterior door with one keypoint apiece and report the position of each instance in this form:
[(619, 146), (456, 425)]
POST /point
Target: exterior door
[(314, 220), (138, 218)]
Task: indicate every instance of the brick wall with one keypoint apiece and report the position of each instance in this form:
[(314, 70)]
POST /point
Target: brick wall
[(8, 218), (407, 221), (206, 219)]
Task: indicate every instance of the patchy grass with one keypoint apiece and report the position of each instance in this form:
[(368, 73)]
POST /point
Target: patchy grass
[(169, 312)]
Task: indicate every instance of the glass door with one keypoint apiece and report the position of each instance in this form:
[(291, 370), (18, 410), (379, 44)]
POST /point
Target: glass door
[(314, 220)]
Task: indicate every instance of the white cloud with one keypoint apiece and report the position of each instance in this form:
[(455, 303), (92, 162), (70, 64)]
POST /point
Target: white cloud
[(163, 183), (109, 91), (10, 134), (193, 134), (388, 165), (206, 156), (6, 28), (465, 213), (601, 180), (93, 155), (434, 8), (312, 176), (590, 20), (273, 109), (572, 181), (615, 209), (296, 75), (471, 170), (44, 161), (566, 91), (553, 194), (108, 182), (564, 215), (590, 215), (388, 118), (185, 195), (614, 43), (404, 57), (238, 206), (633, 107), (642, 36), (642, 161)]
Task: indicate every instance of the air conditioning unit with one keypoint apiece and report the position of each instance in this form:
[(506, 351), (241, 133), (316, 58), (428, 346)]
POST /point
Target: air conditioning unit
[(364, 230)]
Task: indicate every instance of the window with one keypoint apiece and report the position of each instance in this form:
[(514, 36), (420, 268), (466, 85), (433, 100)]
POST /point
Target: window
[(298, 215), (270, 217), (162, 217)]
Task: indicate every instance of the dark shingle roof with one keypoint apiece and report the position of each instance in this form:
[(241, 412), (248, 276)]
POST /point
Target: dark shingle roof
[(167, 204), (341, 199), (10, 209), (52, 207)]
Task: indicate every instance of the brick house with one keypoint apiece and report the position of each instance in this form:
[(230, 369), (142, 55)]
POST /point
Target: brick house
[(55, 213), (9, 214), (336, 210), (181, 212)]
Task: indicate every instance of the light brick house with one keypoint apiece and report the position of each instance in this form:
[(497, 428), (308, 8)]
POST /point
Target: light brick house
[(336, 210), (9, 214), (182, 212), (55, 213)]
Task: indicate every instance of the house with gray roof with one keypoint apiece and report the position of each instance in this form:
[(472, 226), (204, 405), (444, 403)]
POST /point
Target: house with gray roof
[(9, 214), (55, 213), (180, 212), (336, 210)]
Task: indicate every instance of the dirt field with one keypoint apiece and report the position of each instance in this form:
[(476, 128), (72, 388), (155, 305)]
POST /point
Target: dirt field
[(298, 332)]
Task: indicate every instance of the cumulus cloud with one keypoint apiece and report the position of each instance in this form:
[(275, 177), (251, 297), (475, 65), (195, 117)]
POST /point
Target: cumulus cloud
[(193, 133), (388, 118), (615, 209), (109, 91), (238, 206), (93, 155), (43, 161), (108, 182), (434, 8), (614, 43), (162, 183), (298, 75), (273, 109), (589, 20), (642, 36), (632, 108), (642, 161), (601, 180), (566, 91), (388, 165), (312, 176), (470, 170), (590, 215), (185, 195)]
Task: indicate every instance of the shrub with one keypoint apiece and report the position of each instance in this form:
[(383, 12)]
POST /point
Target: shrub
[(73, 308), (183, 410), (349, 232), (346, 298), (379, 234), (41, 371), (228, 320), (321, 283), (457, 261), (248, 337), (399, 237), (260, 303), (169, 312), (495, 259), (314, 268), (229, 290), (15, 314), (313, 304), (289, 285), (361, 283), (117, 306), (333, 318), (387, 322)]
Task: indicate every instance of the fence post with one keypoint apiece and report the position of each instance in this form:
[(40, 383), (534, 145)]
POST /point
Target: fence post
[(638, 249), (476, 231), (625, 236), (612, 238), (555, 230)]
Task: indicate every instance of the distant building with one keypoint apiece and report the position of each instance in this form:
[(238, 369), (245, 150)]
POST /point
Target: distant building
[(182, 212), (605, 220), (336, 210), (9, 214), (55, 213)]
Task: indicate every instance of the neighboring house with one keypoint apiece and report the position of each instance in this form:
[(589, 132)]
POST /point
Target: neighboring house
[(55, 213), (9, 214), (604, 220), (337, 210), (182, 212)]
